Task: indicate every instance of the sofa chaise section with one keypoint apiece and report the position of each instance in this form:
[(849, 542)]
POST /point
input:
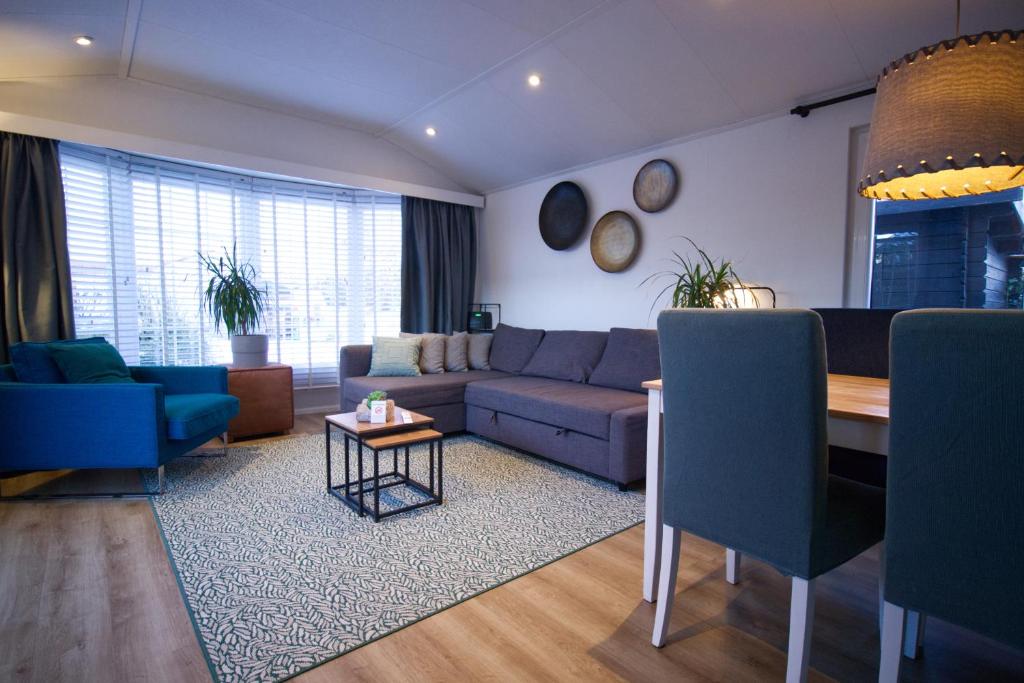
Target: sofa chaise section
[(440, 396), (592, 428)]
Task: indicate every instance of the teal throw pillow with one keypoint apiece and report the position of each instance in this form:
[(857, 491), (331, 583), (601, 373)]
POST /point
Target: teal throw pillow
[(89, 363), (32, 362), (392, 357)]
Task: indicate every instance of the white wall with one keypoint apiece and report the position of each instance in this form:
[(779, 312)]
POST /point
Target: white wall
[(136, 116), (772, 196)]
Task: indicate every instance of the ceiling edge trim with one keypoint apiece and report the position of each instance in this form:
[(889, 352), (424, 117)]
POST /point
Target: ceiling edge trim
[(131, 142)]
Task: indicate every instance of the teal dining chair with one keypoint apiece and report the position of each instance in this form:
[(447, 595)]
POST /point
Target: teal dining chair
[(755, 479), (955, 517)]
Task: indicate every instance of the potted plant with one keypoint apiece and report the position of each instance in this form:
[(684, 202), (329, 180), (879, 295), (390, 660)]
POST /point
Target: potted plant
[(376, 407), (233, 298), (701, 282)]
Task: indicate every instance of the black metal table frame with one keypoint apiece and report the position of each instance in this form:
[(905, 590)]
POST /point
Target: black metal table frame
[(356, 499)]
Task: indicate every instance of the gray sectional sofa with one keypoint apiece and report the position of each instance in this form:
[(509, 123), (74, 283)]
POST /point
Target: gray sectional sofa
[(572, 397)]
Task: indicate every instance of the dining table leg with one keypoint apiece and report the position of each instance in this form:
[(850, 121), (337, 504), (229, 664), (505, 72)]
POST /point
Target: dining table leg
[(652, 514)]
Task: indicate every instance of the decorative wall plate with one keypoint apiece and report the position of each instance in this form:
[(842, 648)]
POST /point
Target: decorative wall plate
[(563, 215), (655, 185), (615, 241)]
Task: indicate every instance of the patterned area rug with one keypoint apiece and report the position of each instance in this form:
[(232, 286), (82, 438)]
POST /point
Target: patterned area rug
[(279, 576)]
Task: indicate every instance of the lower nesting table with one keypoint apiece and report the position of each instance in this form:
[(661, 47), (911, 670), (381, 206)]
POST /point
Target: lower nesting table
[(394, 435)]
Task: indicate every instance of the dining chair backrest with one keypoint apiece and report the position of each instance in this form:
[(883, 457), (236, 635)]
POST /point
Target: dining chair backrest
[(955, 508), (745, 430)]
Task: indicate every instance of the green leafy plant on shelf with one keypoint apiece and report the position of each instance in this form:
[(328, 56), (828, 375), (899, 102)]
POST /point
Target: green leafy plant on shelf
[(231, 295), (699, 282), (376, 396)]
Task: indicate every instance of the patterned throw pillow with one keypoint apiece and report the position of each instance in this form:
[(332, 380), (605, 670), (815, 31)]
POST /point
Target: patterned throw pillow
[(456, 352), (394, 357), (432, 350)]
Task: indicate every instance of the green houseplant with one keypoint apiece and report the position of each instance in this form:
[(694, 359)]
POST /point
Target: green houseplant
[(700, 282), (233, 299)]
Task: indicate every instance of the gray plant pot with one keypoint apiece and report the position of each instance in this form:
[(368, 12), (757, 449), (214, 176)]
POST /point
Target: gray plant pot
[(249, 350)]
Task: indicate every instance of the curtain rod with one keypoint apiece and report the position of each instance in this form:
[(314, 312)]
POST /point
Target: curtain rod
[(804, 109)]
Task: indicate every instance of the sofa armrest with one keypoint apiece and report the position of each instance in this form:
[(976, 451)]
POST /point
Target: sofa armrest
[(627, 447), (205, 379), (58, 426), (354, 361)]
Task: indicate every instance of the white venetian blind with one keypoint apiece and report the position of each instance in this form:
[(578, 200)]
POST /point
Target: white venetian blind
[(329, 257)]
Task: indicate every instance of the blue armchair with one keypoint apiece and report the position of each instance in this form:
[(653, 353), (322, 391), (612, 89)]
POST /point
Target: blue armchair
[(166, 413)]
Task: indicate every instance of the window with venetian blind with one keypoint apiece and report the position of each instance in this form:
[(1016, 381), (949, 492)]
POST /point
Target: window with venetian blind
[(330, 258)]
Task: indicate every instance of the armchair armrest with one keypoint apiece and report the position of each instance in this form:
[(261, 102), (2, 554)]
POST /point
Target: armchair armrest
[(204, 379), (58, 426)]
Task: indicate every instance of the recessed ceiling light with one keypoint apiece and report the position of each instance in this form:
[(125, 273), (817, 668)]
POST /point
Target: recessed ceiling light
[(431, 131), (84, 41), (533, 80)]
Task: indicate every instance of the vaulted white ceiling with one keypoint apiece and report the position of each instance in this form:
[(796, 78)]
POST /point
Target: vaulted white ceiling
[(618, 75)]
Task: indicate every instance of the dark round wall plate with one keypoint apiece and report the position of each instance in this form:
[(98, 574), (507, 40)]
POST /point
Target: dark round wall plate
[(655, 185), (615, 241), (563, 215)]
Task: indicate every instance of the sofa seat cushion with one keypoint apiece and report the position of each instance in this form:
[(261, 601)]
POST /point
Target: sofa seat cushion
[(416, 392), (189, 415), (569, 405)]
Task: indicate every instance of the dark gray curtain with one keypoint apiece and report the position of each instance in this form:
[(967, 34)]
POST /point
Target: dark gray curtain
[(35, 294), (438, 265)]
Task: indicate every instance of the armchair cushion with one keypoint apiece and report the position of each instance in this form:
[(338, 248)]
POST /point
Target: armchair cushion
[(33, 365), (89, 363), (189, 415)]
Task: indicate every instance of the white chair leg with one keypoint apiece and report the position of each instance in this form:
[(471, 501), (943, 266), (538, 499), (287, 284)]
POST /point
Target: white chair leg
[(732, 565), (913, 635), (666, 583), (801, 623), (892, 642)]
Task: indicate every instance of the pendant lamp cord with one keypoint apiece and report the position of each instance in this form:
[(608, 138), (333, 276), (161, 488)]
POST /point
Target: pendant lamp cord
[(957, 34)]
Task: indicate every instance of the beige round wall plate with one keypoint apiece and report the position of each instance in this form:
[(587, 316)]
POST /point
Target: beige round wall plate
[(615, 241)]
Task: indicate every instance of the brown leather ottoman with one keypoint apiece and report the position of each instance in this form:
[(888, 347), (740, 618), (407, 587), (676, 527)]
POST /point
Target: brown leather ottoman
[(266, 397)]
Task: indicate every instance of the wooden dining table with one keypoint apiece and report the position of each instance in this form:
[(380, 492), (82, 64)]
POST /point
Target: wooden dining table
[(858, 418)]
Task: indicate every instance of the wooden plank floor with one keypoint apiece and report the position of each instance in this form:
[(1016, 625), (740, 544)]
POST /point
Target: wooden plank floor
[(87, 594)]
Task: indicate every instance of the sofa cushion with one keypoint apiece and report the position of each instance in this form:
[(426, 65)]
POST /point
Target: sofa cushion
[(569, 405), (630, 358), (431, 351), (33, 364), (89, 363), (567, 354), (394, 357), (480, 351), (189, 415), (417, 392), (512, 347), (456, 352)]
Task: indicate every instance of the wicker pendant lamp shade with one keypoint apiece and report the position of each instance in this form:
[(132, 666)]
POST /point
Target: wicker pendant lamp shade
[(949, 120)]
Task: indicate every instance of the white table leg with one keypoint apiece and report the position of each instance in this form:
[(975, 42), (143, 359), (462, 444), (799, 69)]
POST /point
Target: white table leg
[(652, 516)]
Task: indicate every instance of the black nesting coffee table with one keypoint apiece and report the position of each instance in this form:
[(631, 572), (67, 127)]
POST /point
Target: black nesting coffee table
[(395, 435)]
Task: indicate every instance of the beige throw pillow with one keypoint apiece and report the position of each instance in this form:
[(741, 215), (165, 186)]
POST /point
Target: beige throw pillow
[(432, 352), (456, 356), (480, 351)]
